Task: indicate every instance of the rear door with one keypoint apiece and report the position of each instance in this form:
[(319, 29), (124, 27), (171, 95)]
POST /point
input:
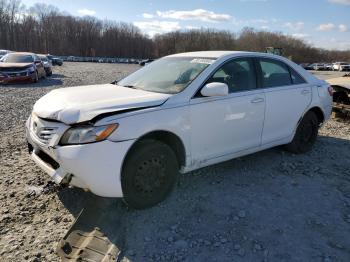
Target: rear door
[(287, 97)]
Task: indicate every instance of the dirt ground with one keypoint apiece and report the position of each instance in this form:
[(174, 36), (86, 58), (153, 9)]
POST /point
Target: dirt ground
[(268, 206)]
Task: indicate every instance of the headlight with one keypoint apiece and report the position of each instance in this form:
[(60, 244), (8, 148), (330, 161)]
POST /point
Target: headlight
[(87, 134), (31, 69)]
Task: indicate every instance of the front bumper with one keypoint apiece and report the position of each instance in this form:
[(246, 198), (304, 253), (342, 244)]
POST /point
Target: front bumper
[(95, 167), (5, 79)]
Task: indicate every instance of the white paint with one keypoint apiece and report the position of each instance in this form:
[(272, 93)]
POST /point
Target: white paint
[(212, 129)]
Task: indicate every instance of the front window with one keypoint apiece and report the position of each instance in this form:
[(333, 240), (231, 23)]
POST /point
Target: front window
[(168, 75), (238, 74), (17, 58)]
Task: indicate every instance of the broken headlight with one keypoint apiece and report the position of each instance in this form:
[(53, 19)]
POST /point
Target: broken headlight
[(87, 134)]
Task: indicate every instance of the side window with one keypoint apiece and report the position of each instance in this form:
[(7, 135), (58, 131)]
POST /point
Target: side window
[(238, 74), (274, 73), (296, 78)]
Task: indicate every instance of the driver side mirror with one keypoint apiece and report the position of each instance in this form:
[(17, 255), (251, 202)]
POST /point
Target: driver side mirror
[(215, 89)]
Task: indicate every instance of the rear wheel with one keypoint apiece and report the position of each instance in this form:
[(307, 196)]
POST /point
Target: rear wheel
[(35, 77), (149, 174), (305, 135)]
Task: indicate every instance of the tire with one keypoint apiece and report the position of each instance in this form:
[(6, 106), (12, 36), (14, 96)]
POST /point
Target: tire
[(36, 77), (149, 174), (305, 135)]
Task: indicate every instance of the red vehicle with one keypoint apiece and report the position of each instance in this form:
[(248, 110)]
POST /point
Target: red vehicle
[(21, 67)]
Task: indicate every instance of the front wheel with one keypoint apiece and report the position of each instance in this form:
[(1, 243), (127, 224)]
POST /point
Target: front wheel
[(305, 135), (35, 78), (149, 174)]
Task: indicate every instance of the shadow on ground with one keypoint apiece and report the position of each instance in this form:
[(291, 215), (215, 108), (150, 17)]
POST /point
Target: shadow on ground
[(54, 80), (269, 206)]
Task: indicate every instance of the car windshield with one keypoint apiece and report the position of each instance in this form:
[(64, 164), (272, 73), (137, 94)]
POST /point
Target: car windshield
[(43, 58), (17, 58), (168, 75)]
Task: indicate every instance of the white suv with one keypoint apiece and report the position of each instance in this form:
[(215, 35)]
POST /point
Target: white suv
[(182, 112), (341, 66)]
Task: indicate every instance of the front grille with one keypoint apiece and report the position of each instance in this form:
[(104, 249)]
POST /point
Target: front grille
[(43, 132), (46, 133), (14, 74)]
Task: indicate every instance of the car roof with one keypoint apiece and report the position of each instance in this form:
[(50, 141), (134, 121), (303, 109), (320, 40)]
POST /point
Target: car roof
[(217, 54), (22, 53)]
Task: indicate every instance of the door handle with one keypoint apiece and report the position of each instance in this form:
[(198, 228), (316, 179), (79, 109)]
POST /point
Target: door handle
[(305, 92), (257, 100)]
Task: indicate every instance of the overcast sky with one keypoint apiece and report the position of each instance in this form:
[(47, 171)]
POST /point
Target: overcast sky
[(324, 23)]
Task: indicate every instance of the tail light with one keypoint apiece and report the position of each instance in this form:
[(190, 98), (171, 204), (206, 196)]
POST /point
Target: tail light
[(330, 90)]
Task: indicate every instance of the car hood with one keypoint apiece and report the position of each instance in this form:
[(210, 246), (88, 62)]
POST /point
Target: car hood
[(5, 65), (83, 103)]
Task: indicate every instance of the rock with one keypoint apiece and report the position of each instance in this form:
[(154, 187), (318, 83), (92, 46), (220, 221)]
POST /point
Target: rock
[(180, 244), (242, 214), (170, 239), (241, 252), (237, 247), (257, 247), (223, 240), (34, 190), (131, 252), (147, 239)]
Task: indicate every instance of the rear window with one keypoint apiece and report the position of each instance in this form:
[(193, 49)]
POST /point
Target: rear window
[(274, 73), (296, 78)]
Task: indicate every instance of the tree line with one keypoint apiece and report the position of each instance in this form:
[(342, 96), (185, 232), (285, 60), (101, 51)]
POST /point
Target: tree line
[(45, 29)]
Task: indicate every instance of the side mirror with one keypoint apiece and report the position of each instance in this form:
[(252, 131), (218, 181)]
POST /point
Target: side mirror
[(215, 89)]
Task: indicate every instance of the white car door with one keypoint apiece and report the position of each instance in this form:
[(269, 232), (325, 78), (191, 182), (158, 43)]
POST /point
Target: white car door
[(225, 125), (287, 97)]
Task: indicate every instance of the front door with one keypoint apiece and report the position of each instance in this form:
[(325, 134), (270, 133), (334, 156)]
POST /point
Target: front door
[(229, 124)]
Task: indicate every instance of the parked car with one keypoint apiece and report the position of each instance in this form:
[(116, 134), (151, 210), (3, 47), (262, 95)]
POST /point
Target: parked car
[(4, 52), (319, 66), (182, 112), (329, 67), (307, 66), (55, 60), (146, 62), (19, 67), (47, 64), (341, 66)]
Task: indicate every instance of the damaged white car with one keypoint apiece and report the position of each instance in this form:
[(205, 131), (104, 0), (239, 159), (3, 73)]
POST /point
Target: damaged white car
[(131, 138)]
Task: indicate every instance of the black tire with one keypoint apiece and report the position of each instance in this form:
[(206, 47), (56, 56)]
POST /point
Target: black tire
[(149, 174), (36, 77), (305, 135)]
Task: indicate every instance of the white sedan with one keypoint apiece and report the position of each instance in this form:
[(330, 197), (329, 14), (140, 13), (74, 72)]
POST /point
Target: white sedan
[(131, 138)]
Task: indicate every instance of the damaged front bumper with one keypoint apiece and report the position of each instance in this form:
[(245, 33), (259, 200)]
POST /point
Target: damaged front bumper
[(95, 167)]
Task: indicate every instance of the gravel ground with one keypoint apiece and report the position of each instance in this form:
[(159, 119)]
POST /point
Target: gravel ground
[(268, 206)]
